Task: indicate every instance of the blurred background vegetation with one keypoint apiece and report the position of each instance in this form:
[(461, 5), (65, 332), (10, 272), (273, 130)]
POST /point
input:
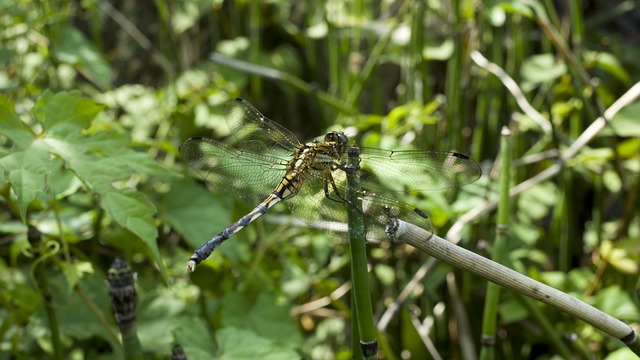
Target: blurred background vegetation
[(98, 95)]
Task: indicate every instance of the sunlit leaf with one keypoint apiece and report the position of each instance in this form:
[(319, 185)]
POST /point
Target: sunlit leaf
[(625, 123), (609, 63), (65, 112), (542, 68), (133, 211), (12, 126), (26, 172)]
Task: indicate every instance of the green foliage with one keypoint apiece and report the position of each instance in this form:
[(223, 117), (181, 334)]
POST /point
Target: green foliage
[(96, 98)]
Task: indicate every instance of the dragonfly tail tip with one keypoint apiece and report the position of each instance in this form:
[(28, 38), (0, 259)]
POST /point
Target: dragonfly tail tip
[(191, 266)]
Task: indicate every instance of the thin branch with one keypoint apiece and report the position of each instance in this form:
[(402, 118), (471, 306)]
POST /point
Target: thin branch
[(513, 88)]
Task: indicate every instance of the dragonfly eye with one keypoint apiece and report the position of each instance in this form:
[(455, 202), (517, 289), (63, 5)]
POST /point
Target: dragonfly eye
[(337, 137)]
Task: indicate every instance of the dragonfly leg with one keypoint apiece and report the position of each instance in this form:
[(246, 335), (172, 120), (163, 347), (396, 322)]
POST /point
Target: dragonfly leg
[(349, 169), (328, 179)]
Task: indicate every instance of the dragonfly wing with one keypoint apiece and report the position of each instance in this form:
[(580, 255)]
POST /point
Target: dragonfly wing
[(381, 214), (255, 132), (416, 170), (312, 206), (241, 173)]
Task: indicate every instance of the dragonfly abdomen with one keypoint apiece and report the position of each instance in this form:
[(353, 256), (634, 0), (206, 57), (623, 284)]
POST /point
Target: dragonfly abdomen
[(208, 247)]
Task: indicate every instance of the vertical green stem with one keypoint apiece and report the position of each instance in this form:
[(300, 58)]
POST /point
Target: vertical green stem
[(499, 250), (35, 238), (552, 334), (577, 23), (254, 46), (333, 54), (454, 75), (359, 275), (41, 278)]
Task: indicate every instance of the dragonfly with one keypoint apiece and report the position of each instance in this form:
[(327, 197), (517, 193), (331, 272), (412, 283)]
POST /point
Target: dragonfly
[(266, 161)]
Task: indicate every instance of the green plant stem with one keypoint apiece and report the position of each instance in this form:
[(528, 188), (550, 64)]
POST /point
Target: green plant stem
[(254, 46), (131, 343), (552, 334), (499, 249), (43, 284), (454, 79), (359, 274), (97, 313)]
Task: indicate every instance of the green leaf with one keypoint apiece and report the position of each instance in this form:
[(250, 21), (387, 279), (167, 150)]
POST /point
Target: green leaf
[(73, 48), (65, 112), (244, 344), (97, 172), (193, 335), (542, 68), (76, 313), (266, 318), (74, 272), (609, 63), (12, 126), (617, 303), (194, 212), (625, 123), (157, 317), (186, 13), (510, 6), (26, 171), (511, 312), (133, 211)]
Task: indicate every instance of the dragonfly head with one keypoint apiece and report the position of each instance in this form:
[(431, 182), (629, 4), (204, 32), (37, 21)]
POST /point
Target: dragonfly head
[(339, 140)]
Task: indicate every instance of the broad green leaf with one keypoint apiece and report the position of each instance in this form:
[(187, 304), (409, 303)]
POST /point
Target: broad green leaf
[(625, 123), (77, 314), (74, 272), (238, 344), (65, 112), (12, 126), (73, 48), (623, 353), (158, 317), (97, 172), (265, 318), (537, 201), (295, 280), (542, 68), (194, 212), (385, 273), (620, 257), (510, 6), (617, 303), (193, 335), (27, 170), (186, 13), (512, 311), (133, 211), (609, 63)]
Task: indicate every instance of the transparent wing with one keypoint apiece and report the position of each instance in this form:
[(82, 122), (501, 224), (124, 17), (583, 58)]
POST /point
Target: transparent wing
[(416, 170), (235, 172), (255, 132), (313, 207)]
